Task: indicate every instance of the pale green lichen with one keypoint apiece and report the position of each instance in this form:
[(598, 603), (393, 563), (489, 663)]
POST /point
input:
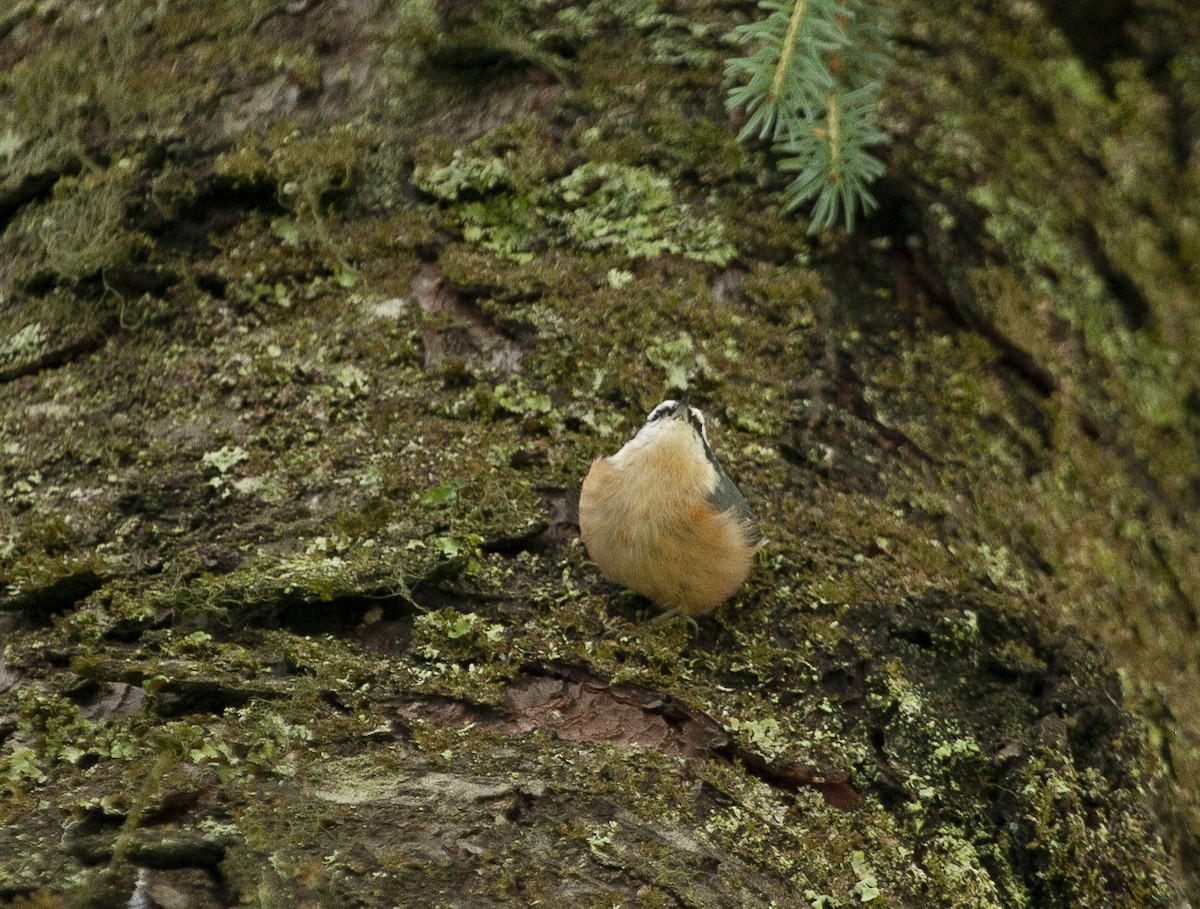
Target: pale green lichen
[(596, 206), (392, 550), (680, 360), (23, 343)]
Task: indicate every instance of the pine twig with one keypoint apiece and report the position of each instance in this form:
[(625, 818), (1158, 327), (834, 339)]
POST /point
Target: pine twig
[(807, 88)]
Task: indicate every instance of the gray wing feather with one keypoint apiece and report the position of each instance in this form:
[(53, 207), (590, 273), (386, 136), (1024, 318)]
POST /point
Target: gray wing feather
[(727, 496)]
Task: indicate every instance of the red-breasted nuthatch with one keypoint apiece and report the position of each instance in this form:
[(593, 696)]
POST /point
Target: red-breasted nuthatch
[(661, 516)]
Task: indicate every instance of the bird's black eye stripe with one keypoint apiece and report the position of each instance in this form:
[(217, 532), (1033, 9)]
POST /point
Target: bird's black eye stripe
[(662, 410), (696, 419)]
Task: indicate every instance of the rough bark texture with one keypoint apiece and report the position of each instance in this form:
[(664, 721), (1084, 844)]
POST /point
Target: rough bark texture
[(313, 314)]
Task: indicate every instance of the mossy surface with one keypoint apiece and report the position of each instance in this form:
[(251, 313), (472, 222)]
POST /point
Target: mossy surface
[(312, 315)]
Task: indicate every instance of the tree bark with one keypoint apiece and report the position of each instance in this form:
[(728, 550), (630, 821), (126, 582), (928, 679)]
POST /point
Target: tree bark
[(312, 318)]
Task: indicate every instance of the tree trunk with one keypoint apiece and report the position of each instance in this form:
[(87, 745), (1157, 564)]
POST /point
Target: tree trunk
[(313, 316)]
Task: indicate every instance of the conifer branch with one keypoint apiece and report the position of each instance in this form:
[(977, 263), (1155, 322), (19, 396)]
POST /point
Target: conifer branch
[(835, 138), (785, 54), (807, 87)]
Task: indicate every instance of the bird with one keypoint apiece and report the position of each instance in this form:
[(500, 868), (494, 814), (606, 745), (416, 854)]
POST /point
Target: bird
[(662, 517)]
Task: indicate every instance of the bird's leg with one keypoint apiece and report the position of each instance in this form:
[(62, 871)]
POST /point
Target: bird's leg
[(668, 617)]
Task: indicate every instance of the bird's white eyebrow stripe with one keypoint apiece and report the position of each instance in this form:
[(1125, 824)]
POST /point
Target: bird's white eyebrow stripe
[(694, 416)]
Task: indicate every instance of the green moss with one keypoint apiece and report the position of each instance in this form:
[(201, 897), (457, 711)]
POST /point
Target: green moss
[(953, 864), (244, 165), (327, 564), (1079, 867)]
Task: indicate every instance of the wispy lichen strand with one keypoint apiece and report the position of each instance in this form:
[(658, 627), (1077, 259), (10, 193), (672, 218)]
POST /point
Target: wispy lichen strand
[(806, 88)]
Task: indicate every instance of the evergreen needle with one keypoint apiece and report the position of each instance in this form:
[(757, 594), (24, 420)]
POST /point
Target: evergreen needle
[(807, 87)]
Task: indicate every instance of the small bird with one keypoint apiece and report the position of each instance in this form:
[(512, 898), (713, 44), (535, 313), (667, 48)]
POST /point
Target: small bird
[(662, 518)]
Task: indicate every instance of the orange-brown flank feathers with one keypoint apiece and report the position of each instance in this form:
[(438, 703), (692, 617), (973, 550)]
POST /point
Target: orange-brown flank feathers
[(648, 518)]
